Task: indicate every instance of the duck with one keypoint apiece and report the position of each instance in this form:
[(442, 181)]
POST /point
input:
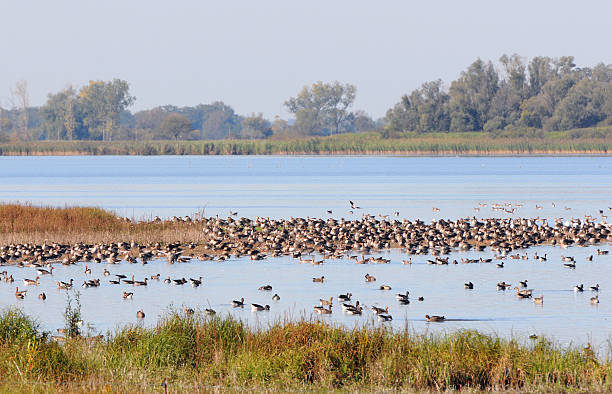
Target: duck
[(237, 303), (595, 300), (42, 296), (579, 288), (259, 308), (276, 297), (369, 278), (594, 288), (435, 318), (385, 287), (538, 300), (31, 282), (140, 314), (318, 280), (382, 317), (469, 285), (127, 296)]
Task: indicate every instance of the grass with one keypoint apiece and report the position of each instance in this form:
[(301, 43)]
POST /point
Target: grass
[(518, 142), (201, 353)]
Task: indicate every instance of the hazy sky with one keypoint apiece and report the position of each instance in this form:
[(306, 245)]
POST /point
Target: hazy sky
[(253, 55)]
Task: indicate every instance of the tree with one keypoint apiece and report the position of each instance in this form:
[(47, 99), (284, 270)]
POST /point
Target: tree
[(59, 115), (255, 126), (219, 121), (471, 96), (21, 101), (175, 127), (321, 108), (102, 103)]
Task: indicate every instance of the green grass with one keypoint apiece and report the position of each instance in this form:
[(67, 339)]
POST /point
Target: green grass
[(516, 142), (199, 352)]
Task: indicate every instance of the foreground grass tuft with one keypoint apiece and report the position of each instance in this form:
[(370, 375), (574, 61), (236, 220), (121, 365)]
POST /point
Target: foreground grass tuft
[(199, 352)]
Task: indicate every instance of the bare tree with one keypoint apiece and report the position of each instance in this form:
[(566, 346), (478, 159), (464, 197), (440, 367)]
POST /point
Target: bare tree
[(21, 100)]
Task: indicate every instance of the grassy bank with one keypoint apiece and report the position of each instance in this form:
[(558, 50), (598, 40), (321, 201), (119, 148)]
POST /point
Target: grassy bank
[(586, 141), (199, 353)]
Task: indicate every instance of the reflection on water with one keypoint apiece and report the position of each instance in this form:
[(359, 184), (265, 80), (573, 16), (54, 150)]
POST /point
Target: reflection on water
[(309, 186)]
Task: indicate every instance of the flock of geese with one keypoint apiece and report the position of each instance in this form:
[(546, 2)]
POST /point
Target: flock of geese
[(223, 239)]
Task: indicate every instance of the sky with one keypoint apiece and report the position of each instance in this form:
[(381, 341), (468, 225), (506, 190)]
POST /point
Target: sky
[(254, 55)]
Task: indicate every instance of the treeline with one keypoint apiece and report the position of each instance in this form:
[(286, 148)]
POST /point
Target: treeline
[(548, 94)]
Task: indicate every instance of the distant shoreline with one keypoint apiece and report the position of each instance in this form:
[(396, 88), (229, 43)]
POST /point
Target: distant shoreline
[(568, 143)]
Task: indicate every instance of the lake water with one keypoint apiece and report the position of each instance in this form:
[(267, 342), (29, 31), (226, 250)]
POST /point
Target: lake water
[(142, 187)]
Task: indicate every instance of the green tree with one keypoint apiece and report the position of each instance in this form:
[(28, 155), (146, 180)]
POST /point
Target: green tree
[(322, 107), (471, 96), (255, 126), (175, 126), (102, 103), (60, 115)]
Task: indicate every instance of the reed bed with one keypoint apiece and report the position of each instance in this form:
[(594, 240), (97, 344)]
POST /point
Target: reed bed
[(518, 142), (198, 353), (25, 223)]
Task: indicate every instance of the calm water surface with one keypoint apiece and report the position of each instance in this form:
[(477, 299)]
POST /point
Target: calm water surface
[(142, 187)]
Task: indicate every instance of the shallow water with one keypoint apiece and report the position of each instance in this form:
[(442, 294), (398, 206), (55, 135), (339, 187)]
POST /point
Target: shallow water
[(308, 186)]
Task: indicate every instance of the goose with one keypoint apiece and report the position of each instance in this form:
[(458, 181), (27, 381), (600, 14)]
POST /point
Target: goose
[(129, 281), (42, 296), (42, 271), (276, 297), (155, 277), (500, 265), (526, 293), (237, 303), (106, 272), (127, 296), (369, 278), (326, 302), (353, 206), (401, 296), (347, 307), (469, 285), (602, 252), (141, 283), (265, 288), (409, 261), (20, 294), (538, 300), (523, 283), (140, 314), (435, 318), (31, 282), (421, 299), (120, 276), (209, 311), (595, 300), (167, 280), (570, 265), (379, 311), (322, 310), (114, 282), (345, 297), (259, 308), (356, 311), (382, 317), (87, 270), (195, 282), (179, 282), (590, 258), (65, 285), (579, 288), (385, 287), (503, 285), (595, 288)]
